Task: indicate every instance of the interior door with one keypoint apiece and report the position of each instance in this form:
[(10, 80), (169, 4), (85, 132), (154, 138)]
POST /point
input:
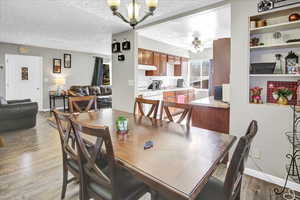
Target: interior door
[(24, 78)]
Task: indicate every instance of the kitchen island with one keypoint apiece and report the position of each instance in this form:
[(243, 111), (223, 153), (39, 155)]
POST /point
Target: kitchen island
[(211, 114)]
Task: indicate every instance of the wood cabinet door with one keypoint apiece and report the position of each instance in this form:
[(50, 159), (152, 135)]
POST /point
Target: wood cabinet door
[(140, 56), (163, 65), (156, 63), (177, 70), (221, 63), (148, 57), (171, 59)]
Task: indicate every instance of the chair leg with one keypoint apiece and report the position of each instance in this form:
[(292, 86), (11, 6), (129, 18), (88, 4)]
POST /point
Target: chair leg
[(238, 196), (154, 195), (65, 182)]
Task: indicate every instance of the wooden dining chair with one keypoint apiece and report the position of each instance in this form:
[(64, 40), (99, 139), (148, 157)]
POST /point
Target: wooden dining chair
[(70, 150), (110, 183), (70, 155), (215, 189), (82, 104), (185, 112), (140, 102)]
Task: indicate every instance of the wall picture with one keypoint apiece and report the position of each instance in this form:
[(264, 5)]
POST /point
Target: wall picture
[(265, 5), (67, 60), (126, 45), (56, 66), (116, 47), (24, 73)]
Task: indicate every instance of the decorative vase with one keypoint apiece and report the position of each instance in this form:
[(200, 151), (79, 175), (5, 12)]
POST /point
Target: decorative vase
[(282, 101)]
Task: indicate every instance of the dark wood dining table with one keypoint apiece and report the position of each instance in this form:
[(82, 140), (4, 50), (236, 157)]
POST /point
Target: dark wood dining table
[(181, 160)]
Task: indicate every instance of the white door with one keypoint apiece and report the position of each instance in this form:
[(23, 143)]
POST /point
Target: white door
[(24, 78)]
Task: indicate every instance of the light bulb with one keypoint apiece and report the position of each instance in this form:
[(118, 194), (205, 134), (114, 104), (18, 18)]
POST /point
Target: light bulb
[(136, 11), (113, 4), (151, 3)]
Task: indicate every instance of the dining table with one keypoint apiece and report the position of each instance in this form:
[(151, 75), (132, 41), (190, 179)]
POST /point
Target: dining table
[(182, 158)]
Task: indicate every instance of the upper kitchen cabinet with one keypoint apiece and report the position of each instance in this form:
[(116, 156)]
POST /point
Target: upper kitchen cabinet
[(171, 59), (221, 63), (146, 57), (156, 63), (160, 62)]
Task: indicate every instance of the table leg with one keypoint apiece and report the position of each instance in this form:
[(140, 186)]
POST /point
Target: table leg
[(64, 100), (50, 102)]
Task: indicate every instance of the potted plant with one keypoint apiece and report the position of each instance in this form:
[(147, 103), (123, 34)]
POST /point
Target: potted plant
[(283, 95)]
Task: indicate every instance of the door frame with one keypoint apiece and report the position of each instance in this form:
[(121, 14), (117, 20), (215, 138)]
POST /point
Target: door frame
[(41, 104)]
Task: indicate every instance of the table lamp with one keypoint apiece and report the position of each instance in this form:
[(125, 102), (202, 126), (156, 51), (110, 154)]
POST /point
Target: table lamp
[(59, 82)]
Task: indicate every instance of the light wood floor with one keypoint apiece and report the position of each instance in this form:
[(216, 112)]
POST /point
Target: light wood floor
[(31, 168)]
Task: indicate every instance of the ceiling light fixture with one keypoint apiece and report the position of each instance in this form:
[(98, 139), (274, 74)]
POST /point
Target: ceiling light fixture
[(198, 45), (133, 10)]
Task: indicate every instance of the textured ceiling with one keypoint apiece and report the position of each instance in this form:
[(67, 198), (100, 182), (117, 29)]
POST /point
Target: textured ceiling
[(82, 25), (208, 25)]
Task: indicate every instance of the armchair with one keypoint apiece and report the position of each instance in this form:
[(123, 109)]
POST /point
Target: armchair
[(18, 114)]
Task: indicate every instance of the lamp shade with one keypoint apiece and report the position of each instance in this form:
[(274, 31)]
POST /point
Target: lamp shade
[(133, 9), (151, 3), (60, 81), (114, 3)]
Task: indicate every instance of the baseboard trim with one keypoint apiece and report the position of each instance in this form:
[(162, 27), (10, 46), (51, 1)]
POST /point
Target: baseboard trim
[(272, 179), (48, 109)]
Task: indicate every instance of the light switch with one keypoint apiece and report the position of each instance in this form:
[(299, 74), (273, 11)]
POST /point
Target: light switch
[(130, 82)]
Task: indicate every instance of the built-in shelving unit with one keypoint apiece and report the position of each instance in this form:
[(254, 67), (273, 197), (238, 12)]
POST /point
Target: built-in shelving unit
[(276, 27), (275, 75), (277, 46), (277, 21)]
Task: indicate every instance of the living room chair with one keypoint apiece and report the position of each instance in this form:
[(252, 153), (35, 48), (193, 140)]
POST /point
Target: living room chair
[(110, 183), (215, 189), (82, 104), (139, 107), (17, 114), (185, 112)]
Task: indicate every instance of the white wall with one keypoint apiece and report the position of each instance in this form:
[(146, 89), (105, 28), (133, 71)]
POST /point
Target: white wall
[(273, 121), (124, 74), (80, 73)]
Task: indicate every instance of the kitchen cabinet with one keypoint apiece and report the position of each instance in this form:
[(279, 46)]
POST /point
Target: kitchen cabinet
[(171, 59), (181, 96), (220, 73), (160, 62), (145, 57)]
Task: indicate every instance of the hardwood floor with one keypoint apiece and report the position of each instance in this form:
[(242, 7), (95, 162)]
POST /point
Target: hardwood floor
[(31, 168)]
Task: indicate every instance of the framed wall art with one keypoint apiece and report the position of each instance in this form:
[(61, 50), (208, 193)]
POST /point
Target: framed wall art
[(265, 5), (126, 45), (67, 60), (56, 66), (24, 73), (116, 47)]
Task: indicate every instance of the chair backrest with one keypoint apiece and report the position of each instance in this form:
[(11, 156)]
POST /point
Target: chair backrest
[(91, 172), (76, 103), (185, 111), (67, 137), (236, 168), (139, 102)]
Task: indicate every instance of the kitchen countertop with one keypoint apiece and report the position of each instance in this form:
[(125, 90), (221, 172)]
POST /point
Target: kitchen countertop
[(210, 102), (169, 89)]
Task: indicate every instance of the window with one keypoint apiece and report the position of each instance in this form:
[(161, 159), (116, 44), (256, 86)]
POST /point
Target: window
[(199, 74)]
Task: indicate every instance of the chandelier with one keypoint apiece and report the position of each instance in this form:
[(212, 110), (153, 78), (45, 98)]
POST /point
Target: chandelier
[(133, 10), (198, 45)]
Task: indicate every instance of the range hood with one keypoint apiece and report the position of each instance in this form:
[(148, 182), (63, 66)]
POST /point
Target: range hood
[(146, 67)]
